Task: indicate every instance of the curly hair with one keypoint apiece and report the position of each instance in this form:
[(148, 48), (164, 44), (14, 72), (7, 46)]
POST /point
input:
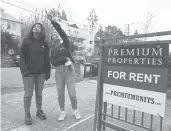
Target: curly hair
[(42, 33)]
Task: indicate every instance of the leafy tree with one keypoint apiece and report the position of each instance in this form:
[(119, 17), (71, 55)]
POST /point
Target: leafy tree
[(136, 32), (93, 19), (100, 32), (109, 31), (148, 23), (148, 20), (64, 16), (55, 13), (8, 42)]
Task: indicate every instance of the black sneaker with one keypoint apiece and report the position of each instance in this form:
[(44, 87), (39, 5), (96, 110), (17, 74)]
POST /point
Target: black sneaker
[(28, 119), (41, 115)]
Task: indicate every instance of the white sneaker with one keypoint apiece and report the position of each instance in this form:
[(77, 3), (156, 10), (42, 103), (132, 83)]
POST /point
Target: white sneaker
[(77, 114), (62, 116)]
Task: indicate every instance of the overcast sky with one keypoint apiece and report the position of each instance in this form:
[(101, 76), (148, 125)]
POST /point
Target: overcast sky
[(110, 12)]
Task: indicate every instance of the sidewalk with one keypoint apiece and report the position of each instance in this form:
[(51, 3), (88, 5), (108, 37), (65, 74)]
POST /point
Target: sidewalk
[(11, 77), (13, 113)]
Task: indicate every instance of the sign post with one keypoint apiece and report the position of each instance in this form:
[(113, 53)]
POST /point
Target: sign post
[(132, 75)]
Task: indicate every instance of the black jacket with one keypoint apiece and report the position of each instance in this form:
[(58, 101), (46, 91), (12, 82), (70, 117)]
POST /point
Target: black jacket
[(59, 54), (34, 57)]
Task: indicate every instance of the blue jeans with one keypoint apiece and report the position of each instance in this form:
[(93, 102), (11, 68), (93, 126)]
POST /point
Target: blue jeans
[(65, 76), (37, 81)]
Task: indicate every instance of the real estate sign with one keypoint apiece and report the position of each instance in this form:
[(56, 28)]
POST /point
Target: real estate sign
[(136, 76)]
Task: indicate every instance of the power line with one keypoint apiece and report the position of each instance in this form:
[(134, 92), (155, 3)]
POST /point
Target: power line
[(58, 10), (24, 4), (35, 12), (57, 17), (18, 7), (40, 14)]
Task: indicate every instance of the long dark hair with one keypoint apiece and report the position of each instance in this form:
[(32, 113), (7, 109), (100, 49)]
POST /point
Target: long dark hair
[(42, 33)]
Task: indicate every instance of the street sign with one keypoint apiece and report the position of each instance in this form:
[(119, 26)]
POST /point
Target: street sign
[(136, 77)]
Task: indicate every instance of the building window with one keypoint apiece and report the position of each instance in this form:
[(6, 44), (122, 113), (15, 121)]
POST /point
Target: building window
[(91, 42), (13, 26), (8, 25), (69, 31)]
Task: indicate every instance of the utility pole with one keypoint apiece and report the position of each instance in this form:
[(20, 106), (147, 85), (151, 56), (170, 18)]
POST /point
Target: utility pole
[(128, 28)]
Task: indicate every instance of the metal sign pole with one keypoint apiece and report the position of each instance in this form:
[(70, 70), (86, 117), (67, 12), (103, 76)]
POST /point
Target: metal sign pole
[(96, 117)]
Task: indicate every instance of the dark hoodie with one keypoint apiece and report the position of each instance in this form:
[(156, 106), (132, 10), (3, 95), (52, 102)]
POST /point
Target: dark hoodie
[(34, 57), (60, 53)]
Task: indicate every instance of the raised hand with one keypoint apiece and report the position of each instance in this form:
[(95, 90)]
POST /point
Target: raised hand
[(49, 16)]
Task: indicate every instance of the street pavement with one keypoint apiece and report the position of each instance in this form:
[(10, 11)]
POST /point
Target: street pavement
[(12, 111), (11, 77)]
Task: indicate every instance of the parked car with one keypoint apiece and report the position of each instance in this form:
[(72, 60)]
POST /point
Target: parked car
[(97, 60), (79, 59)]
